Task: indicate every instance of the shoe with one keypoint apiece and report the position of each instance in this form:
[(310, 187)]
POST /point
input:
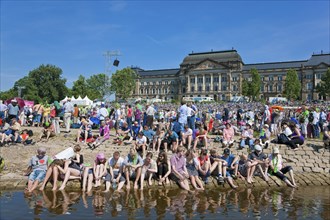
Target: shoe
[(234, 176)]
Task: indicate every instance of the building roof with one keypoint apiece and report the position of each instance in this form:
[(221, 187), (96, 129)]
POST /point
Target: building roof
[(316, 59), (218, 56), (274, 65), (161, 72)]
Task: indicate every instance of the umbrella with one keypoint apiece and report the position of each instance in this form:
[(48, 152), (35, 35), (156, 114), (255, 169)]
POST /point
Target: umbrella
[(278, 107), (20, 102)]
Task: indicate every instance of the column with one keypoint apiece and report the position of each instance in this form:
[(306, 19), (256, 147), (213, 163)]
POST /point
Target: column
[(203, 85), (195, 83), (188, 83), (211, 89)]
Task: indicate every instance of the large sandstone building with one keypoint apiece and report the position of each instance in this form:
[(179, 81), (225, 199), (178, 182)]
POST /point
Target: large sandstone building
[(219, 74)]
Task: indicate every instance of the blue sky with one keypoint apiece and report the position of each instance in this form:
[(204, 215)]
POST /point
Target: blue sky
[(74, 35)]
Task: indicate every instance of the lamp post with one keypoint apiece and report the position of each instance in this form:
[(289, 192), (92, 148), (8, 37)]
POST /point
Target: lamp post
[(20, 88)]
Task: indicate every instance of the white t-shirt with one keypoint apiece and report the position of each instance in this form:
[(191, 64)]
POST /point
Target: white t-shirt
[(116, 165), (142, 140), (187, 132)]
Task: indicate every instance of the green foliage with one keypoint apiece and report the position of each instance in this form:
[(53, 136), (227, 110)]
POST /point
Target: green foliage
[(245, 88), (98, 85), (80, 87), (324, 87), (123, 82), (292, 85)]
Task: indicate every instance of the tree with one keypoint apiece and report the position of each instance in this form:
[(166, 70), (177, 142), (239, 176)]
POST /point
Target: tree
[(255, 84), (98, 85), (292, 85), (245, 88), (80, 87), (324, 86), (49, 84), (123, 82)]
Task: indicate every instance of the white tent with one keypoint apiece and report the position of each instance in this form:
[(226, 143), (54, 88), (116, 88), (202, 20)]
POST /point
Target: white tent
[(88, 101), (64, 100)]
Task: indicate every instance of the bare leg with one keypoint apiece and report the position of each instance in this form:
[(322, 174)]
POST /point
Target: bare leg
[(55, 176), (48, 175), (34, 185)]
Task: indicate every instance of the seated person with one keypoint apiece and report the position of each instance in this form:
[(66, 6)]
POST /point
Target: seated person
[(277, 168), (216, 127), (193, 166), (15, 128), (131, 164), (204, 166), (47, 131), (259, 160), (245, 168), (136, 128), (102, 136), (149, 133), (85, 131), (148, 170), (38, 167), (171, 141), (218, 165), (186, 136), (231, 168), (247, 137), (164, 168), (140, 144), (228, 136), (115, 175), (201, 138), (123, 134), (157, 139), (96, 173), (176, 127), (179, 171), (296, 137), (265, 136)]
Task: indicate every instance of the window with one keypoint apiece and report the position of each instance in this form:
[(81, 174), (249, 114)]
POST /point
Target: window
[(141, 91), (148, 83), (270, 78), (183, 90), (309, 76), (199, 88), (192, 80), (215, 87), (166, 82), (224, 88), (192, 88), (235, 79), (270, 88), (309, 86), (319, 75), (147, 91), (262, 88), (200, 80), (208, 79), (263, 78), (224, 79), (235, 88), (279, 78), (279, 88), (216, 79), (153, 91), (207, 88)]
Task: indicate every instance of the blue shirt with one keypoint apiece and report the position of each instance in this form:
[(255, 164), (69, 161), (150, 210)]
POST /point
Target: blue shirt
[(149, 134), (229, 159)]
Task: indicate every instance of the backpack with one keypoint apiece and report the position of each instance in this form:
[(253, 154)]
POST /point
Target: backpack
[(310, 117), (282, 139), (30, 133)]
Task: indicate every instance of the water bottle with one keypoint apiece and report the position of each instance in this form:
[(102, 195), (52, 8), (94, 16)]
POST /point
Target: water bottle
[(114, 184)]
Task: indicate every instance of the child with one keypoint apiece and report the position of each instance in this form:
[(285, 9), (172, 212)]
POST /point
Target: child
[(78, 159), (38, 166)]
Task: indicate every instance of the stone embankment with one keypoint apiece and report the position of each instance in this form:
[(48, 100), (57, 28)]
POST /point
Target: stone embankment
[(311, 162)]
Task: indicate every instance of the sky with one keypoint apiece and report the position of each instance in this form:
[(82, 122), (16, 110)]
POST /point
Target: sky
[(74, 35)]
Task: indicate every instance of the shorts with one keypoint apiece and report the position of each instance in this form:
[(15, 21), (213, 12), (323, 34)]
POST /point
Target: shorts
[(37, 175), (108, 177), (242, 169)]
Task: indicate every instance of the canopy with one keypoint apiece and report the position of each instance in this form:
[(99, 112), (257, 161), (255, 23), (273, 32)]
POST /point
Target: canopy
[(20, 102)]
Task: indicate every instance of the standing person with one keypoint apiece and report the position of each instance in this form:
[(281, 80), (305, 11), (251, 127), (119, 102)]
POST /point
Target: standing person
[(38, 166), (13, 109), (56, 120), (129, 116), (183, 114), (277, 169), (3, 110), (303, 119), (138, 115), (179, 170), (75, 113), (37, 111), (103, 112), (150, 115), (68, 110)]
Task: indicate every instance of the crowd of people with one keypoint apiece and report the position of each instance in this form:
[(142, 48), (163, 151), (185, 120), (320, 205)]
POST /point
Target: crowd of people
[(180, 136)]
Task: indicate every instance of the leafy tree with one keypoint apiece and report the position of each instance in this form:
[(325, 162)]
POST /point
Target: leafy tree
[(292, 85), (80, 87), (123, 82), (254, 85), (98, 85), (245, 88), (324, 87), (48, 82), (8, 94)]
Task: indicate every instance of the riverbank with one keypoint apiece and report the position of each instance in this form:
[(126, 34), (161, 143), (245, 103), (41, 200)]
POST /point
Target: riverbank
[(311, 162)]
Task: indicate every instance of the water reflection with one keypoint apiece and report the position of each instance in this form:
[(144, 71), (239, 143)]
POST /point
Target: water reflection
[(166, 203)]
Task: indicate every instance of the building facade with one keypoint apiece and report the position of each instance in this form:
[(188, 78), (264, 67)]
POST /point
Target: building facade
[(220, 74)]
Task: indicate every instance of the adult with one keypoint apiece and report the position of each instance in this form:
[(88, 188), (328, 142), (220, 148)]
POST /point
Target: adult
[(115, 175), (148, 170), (103, 112), (179, 170), (68, 110), (277, 168), (259, 160), (164, 168), (13, 109), (228, 135), (193, 166), (132, 162), (295, 138), (150, 111), (85, 131), (183, 114)]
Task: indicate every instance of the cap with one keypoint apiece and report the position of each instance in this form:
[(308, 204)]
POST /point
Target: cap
[(100, 156), (226, 151), (276, 150), (257, 147)]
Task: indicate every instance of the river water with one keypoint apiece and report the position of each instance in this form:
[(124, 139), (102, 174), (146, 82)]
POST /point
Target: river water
[(261, 203)]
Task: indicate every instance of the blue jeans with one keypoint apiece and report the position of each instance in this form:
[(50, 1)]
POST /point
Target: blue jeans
[(37, 175), (191, 122), (316, 130)]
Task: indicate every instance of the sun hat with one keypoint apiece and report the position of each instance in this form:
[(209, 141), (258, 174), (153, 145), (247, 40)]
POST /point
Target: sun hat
[(100, 156), (276, 150), (257, 147)]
